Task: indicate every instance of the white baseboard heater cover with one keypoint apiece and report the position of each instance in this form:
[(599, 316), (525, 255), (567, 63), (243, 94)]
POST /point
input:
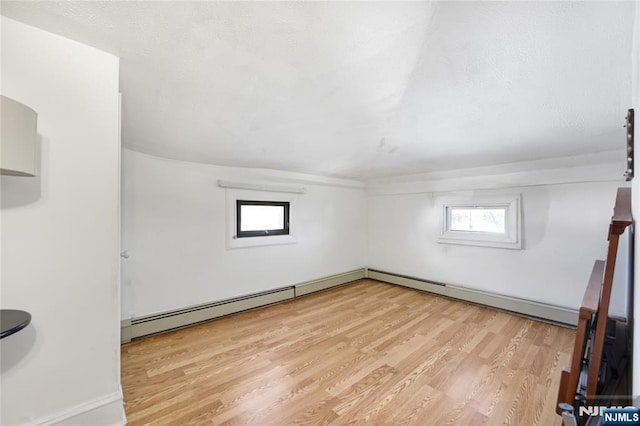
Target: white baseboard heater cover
[(165, 321), (157, 323), (557, 314), (328, 282)]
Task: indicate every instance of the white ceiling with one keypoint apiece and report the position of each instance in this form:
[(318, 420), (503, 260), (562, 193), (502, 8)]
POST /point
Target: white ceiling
[(360, 90)]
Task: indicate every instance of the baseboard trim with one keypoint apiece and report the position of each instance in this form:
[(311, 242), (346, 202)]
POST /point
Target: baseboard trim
[(328, 282), (107, 410), (125, 331), (557, 314), (165, 321)]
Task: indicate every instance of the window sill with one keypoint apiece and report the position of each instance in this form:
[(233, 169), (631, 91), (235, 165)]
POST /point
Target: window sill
[(273, 240), (478, 242)]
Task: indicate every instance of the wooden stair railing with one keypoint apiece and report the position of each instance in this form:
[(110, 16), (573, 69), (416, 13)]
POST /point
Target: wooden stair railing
[(576, 388)]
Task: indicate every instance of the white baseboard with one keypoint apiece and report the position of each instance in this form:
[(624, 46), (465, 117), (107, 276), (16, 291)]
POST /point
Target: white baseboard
[(107, 410), (125, 331), (557, 314), (328, 282), (151, 324)]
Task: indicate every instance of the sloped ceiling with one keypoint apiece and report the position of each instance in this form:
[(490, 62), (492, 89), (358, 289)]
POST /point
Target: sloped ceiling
[(360, 90)]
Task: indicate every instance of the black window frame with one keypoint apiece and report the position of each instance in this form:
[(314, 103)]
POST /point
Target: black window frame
[(261, 232)]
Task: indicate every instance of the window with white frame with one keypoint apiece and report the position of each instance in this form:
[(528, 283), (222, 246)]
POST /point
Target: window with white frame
[(259, 214), (482, 222)]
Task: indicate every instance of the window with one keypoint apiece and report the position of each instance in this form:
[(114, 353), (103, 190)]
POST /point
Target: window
[(261, 218), (477, 219), (482, 222)]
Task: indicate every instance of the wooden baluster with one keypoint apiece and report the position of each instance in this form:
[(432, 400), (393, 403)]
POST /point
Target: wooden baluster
[(595, 301), (621, 219)]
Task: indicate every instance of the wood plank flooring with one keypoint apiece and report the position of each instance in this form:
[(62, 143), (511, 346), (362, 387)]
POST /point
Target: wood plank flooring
[(365, 353)]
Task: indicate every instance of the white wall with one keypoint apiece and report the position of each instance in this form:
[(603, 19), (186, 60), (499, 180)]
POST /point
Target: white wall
[(635, 203), (564, 230), (60, 235), (175, 230)]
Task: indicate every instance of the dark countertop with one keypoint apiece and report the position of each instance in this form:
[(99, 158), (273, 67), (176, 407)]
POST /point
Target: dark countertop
[(12, 321)]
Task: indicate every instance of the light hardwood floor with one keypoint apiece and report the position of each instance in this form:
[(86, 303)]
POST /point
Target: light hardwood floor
[(365, 353)]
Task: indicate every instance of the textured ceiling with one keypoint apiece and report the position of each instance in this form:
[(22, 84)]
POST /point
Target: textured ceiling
[(360, 90)]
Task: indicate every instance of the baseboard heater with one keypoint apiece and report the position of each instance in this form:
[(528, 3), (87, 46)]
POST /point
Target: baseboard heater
[(328, 282), (157, 323), (165, 321), (556, 314)]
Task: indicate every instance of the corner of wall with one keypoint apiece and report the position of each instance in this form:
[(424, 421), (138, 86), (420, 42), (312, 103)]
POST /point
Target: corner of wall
[(107, 411), (635, 204)]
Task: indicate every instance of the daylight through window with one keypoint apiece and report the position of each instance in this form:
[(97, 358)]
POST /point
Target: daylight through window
[(261, 218), (478, 219), (482, 222)]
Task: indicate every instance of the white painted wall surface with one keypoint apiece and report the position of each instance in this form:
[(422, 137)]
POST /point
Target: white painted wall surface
[(60, 236), (175, 230), (564, 230), (635, 203)]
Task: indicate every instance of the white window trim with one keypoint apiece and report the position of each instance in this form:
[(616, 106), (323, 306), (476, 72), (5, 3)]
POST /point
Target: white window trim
[(235, 243), (511, 239)]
